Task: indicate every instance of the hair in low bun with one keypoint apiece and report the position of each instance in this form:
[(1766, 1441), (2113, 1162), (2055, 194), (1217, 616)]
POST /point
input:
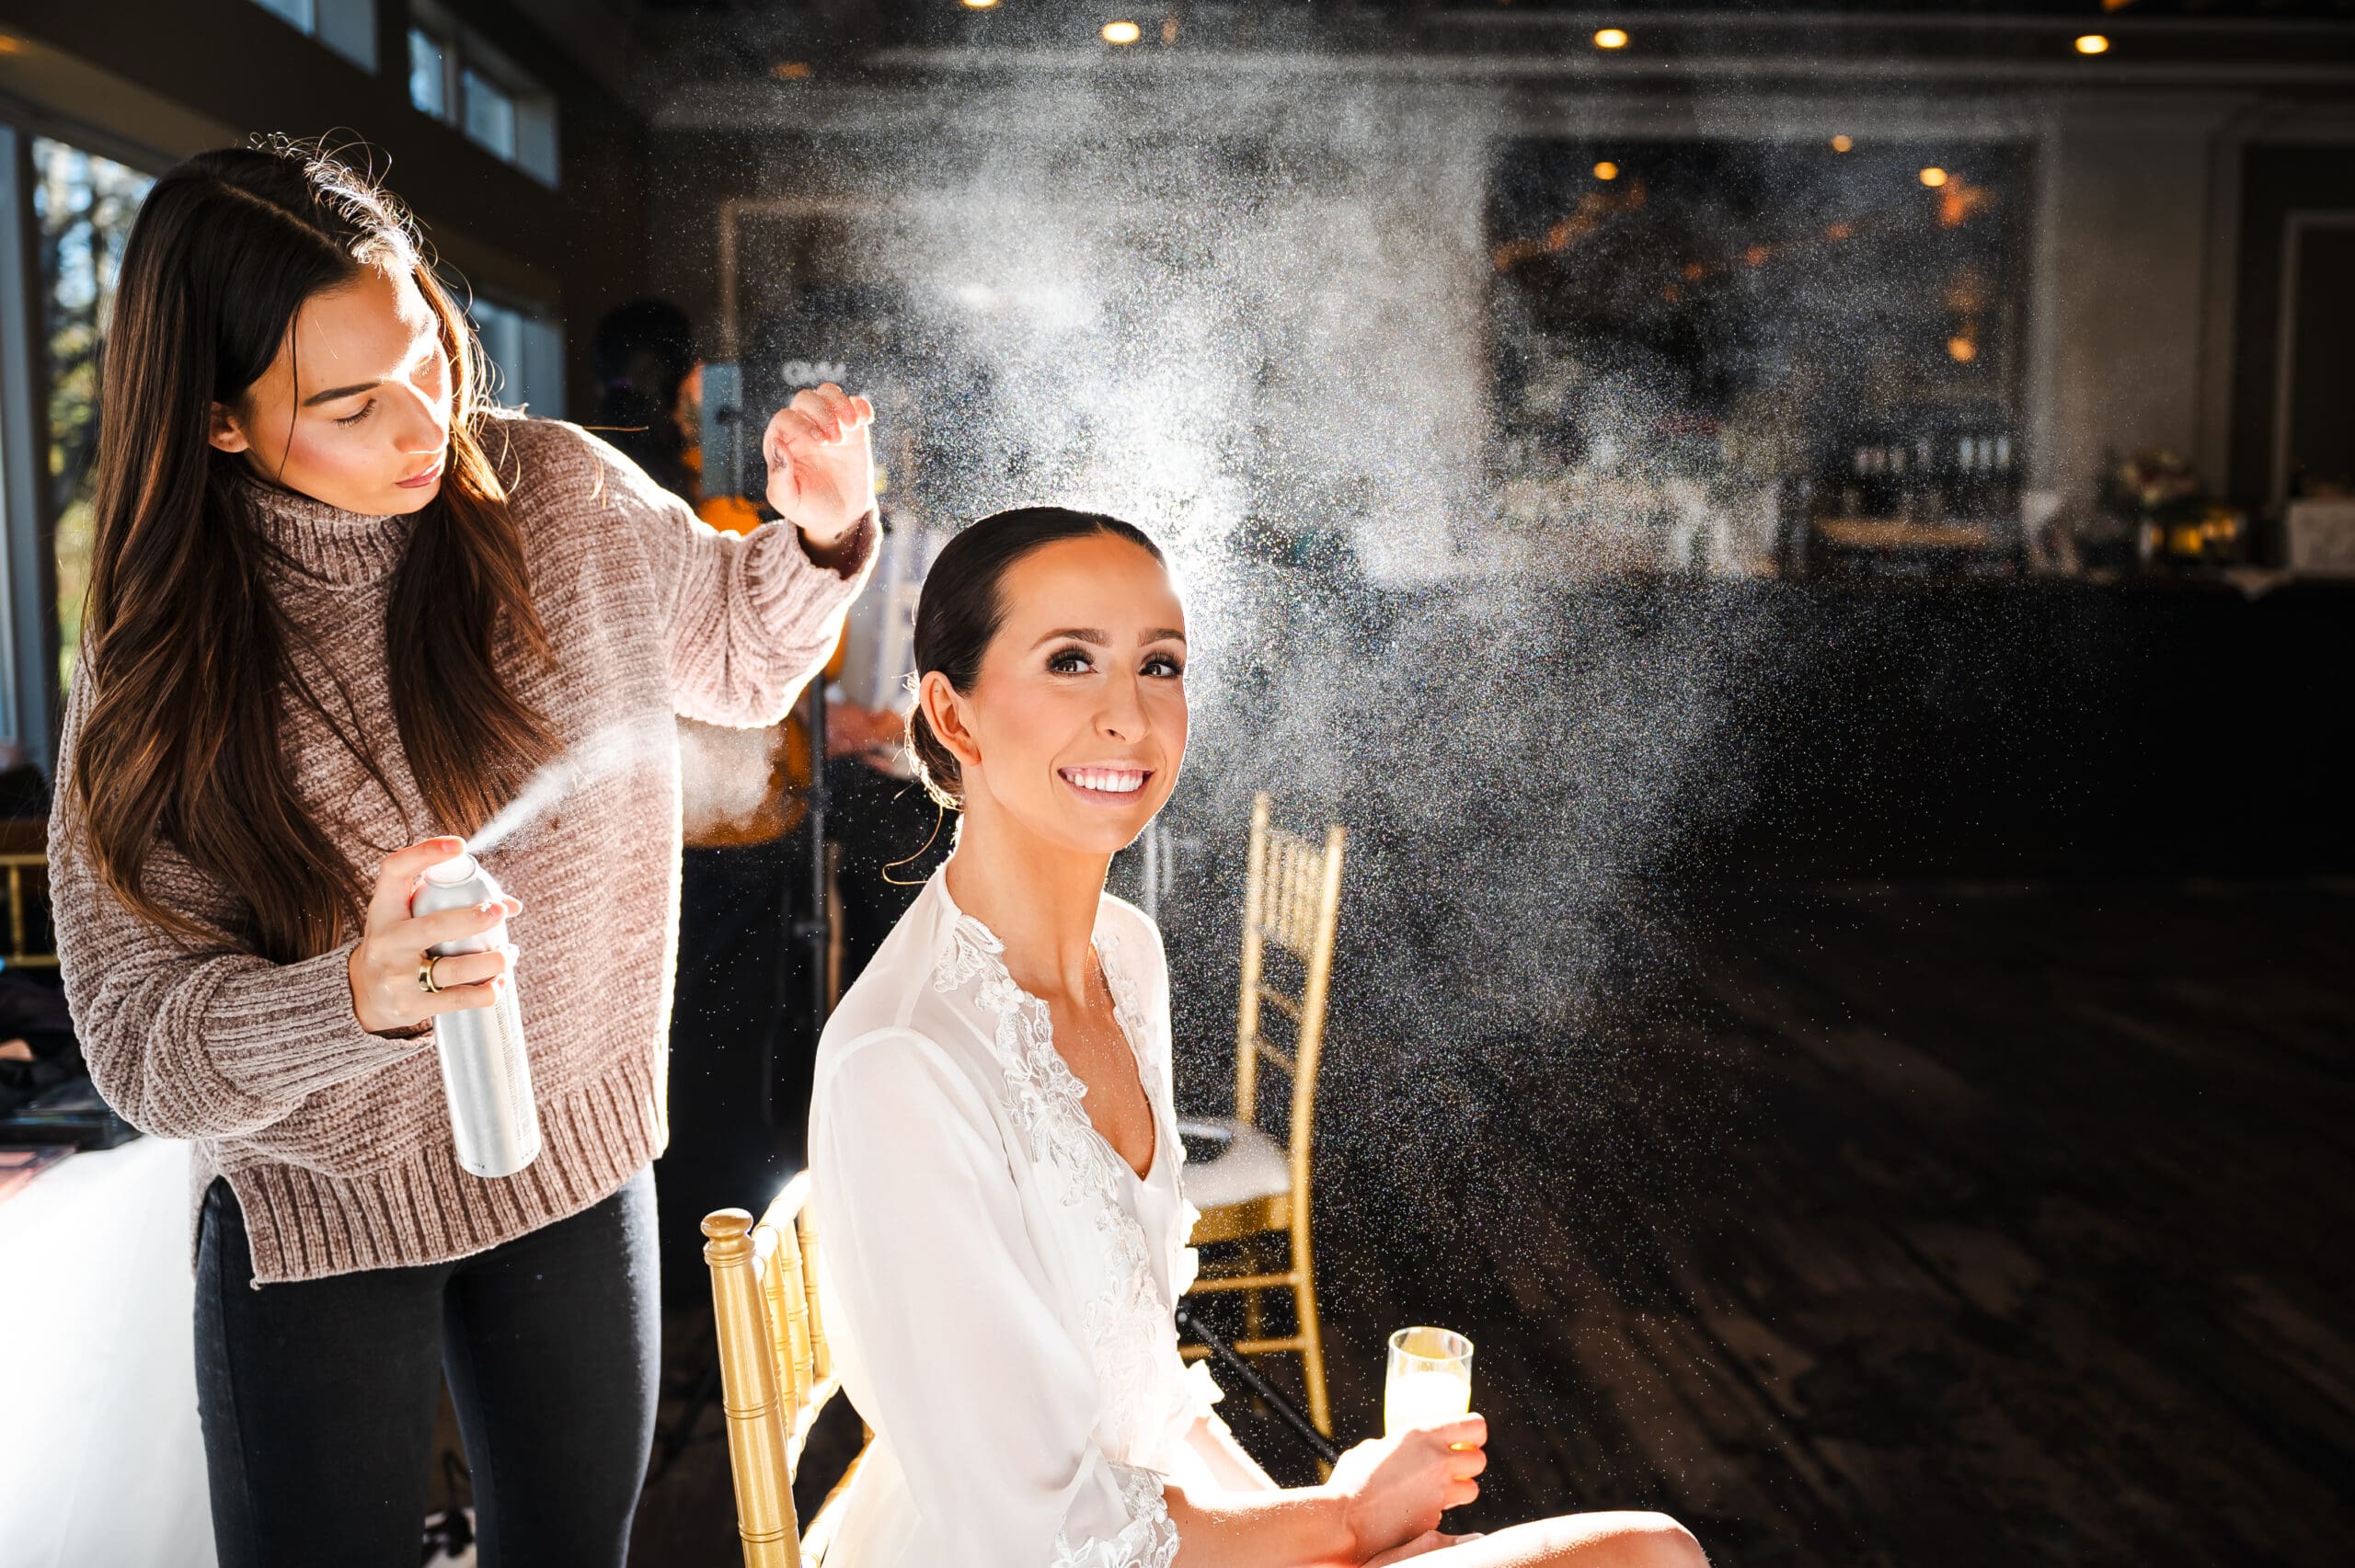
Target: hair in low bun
[(960, 610)]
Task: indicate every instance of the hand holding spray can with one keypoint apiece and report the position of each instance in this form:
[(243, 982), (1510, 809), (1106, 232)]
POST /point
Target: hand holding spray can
[(484, 1069)]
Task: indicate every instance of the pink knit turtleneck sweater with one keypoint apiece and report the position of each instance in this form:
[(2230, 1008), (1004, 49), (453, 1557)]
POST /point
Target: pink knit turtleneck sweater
[(337, 1141)]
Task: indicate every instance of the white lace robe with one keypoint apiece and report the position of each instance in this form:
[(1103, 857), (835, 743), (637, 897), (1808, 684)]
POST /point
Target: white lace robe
[(997, 1282)]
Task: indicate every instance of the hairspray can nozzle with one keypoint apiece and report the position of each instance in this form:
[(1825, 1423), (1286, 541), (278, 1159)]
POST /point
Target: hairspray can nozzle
[(459, 867)]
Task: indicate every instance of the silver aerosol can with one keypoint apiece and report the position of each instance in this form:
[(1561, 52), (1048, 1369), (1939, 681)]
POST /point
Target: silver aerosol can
[(484, 1069)]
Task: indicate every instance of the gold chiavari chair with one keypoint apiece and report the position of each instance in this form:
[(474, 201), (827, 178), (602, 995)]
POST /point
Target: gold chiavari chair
[(25, 871), (775, 1373), (1253, 1188)]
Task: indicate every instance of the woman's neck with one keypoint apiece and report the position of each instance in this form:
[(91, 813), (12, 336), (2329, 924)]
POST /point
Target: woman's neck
[(1037, 897)]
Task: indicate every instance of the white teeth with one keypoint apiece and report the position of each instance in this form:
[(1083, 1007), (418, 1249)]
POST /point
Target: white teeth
[(1107, 780)]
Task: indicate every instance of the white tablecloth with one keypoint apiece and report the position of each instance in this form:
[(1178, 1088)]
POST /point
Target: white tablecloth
[(101, 1463)]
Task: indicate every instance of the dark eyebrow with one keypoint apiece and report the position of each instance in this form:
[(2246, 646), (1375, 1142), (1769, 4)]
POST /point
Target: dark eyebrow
[(1100, 637), (331, 394)]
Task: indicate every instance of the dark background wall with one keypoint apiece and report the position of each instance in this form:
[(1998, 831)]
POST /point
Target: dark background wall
[(2276, 182)]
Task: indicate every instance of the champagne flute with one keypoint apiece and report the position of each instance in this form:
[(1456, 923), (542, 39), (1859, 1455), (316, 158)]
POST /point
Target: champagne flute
[(1429, 1379)]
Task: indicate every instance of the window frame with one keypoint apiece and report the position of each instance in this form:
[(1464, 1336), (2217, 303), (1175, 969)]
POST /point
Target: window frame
[(32, 698), (539, 371), (346, 27), (536, 125)]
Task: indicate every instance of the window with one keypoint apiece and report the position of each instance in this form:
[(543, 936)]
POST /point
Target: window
[(490, 114), (461, 80), (348, 26), (83, 205), (525, 348), (429, 73)]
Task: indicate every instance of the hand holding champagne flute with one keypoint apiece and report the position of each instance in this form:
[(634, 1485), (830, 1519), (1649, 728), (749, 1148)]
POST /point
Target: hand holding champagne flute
[(1430, 1455)]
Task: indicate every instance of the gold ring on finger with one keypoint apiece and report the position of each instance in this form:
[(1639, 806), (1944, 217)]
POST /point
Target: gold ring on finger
[(425, 981)]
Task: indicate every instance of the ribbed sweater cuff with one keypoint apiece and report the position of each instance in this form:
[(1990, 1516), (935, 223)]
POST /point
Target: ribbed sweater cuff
[(811, 589), (288, 1030), (851, 554)]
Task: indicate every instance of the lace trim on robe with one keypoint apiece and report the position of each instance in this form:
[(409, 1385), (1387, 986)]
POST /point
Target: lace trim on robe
[(1044, 1099), (1148, 1540)]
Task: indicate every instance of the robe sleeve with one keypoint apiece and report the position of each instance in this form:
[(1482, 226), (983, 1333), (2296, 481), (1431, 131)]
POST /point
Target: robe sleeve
[(960, 1362)]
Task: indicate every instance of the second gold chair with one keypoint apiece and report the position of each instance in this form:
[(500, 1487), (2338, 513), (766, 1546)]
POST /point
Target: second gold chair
[(1254, 1187)]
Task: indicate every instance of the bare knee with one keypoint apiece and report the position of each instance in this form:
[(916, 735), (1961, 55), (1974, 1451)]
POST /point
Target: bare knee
[(1603, 1540), (1628, 1540), (1655, 1540)]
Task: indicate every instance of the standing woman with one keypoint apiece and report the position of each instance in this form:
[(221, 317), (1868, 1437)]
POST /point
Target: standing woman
[(339, 611)]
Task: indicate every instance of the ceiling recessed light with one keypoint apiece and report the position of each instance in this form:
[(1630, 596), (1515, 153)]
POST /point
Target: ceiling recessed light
[(1120, 32), (1606, 170), (1933, 178), (1841, 144), (1611, 38), (2092, 43), (980, 5)]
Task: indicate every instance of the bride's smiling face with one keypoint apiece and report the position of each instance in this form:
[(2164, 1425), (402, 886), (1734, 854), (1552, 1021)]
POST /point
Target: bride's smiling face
[(1076, 720)]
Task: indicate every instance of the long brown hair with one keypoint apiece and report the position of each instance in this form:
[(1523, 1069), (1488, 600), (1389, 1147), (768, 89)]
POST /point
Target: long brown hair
[(183, 645)]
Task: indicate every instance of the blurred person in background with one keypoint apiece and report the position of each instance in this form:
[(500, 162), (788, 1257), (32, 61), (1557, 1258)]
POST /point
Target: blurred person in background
[(644, 354), (743, 794), (742, 1044)]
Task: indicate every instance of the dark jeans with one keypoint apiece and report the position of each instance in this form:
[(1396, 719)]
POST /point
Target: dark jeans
[(319, 1398)]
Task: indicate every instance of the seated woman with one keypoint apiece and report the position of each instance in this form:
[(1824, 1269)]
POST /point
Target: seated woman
[(996, 1156)]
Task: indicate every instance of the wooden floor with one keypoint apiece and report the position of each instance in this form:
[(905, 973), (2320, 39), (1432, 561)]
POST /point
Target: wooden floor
[(1964, 1226), (1910, 1226)]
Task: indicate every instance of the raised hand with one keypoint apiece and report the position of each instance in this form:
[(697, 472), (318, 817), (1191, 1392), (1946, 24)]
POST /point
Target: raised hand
[(822, 474), (386, 994)]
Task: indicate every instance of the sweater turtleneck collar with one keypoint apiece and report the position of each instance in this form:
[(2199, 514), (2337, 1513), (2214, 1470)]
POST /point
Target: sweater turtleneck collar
[(323, 543)]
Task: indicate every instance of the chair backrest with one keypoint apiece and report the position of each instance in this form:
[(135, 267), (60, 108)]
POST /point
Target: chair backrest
[(28, 874), (775, 1373), (1292, 899)]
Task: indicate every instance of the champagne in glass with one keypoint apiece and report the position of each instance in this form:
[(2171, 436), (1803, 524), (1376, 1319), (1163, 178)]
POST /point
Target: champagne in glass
[(1429, 1379)]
